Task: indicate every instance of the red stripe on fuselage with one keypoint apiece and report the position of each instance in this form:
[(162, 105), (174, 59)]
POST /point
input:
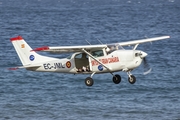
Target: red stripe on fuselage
[(16, 38)]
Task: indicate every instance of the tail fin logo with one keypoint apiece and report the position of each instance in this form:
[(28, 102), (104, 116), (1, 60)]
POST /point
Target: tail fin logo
[(22, 46), (31, 57)]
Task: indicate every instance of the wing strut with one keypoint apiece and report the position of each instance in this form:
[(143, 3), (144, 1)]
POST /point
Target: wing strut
[(97, 60), (135, 46)]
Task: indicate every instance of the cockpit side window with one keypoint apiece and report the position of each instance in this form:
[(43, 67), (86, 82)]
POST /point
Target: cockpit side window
[(113, 47), (98, 53), (78, 56)]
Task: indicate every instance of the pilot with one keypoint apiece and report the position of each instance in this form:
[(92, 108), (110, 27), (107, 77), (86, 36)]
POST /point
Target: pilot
[(87, 69), (108, 50), (83, 69), (79, 70)]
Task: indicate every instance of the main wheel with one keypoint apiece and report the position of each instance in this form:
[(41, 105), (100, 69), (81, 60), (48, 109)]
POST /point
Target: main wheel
[(132, 79), (117, 79), (89, 81)]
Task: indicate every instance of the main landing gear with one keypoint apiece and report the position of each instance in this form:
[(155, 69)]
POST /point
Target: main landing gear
[(89, 81), (116, 79)]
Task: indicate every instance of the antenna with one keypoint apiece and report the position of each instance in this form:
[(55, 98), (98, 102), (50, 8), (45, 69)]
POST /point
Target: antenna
[(99, 41), (88, 42)]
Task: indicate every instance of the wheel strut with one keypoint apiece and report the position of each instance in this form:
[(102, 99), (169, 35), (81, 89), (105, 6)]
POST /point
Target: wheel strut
[(89, 81), (131, 78)]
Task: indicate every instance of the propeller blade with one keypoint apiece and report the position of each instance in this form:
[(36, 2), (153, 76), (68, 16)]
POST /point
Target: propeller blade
[(147, 68)]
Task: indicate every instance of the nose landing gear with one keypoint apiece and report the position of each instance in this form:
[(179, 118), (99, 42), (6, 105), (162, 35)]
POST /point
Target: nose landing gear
[(131, 78)]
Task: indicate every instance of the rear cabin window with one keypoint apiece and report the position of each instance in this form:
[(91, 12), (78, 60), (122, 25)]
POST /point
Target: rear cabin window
[(98, 53), (78, 56), (81, 56)]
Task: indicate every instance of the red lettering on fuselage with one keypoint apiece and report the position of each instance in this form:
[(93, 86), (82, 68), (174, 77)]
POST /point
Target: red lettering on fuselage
[(105, 61), (94, 63)]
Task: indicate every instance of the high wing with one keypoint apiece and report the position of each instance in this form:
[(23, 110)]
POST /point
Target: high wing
[(64, 49)]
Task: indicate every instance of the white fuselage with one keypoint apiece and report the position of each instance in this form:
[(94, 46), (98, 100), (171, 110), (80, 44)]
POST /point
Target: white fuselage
[(119, 60)]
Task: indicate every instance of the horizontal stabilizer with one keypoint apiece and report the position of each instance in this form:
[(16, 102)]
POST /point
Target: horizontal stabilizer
[(26, 67)]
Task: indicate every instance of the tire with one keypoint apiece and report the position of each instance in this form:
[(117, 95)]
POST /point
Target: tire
[(117, 79), (132, 79), (89, 81)]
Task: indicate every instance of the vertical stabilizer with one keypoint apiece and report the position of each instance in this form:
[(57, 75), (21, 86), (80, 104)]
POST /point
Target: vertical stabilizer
[(25, 53)]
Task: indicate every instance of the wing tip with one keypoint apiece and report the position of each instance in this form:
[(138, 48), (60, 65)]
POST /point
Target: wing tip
[(167, 36)]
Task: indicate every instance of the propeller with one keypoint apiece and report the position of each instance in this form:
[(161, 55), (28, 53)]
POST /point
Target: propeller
[(147, 68)]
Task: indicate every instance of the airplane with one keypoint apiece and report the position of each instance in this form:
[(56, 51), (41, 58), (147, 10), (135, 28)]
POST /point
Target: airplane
[(85, 59)]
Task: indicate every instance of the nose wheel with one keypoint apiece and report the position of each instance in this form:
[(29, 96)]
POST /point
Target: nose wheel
[(132, 79)]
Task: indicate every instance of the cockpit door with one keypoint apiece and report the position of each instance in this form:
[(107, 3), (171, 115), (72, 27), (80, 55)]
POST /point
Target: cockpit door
[(81, 62), (99, 55)]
